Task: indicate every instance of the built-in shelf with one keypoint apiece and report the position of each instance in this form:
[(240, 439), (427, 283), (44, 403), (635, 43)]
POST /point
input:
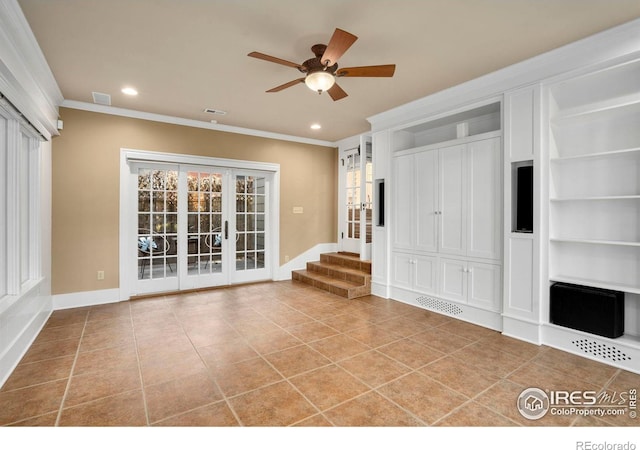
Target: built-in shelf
[(449, 127), (627, 104), (596, 284), (597, 242), (596, 198), (612, 153), (594, 194)]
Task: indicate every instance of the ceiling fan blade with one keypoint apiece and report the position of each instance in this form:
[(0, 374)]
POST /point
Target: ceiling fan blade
[(273, 59), (336, 92), (286, 85), (367, 71), (339, 43)]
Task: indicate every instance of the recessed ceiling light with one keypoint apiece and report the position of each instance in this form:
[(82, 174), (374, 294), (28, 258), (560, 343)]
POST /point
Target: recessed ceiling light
[(316, 126), (129, 91)]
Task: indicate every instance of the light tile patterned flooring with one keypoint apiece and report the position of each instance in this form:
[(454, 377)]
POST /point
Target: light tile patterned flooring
[(280, 354)]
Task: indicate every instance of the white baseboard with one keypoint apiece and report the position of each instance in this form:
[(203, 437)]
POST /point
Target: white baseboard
[(20, 326), (87, 298), (379, 289), (300, 261), (522, 329), (92, 298)]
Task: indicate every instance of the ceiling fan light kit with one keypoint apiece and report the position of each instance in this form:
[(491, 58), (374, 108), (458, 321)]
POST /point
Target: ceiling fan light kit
[(319, 81), (321, 71)]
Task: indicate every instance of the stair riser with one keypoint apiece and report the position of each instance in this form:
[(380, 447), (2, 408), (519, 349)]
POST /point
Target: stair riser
[(349, 293), (365, 266), (363, 279)]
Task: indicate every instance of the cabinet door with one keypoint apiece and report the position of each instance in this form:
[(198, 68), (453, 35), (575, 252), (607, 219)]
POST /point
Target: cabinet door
[(485, 285), (452, 211), (402, 267), (403, 205), (484, 194), (426, 204), (453, 279), (425, 270)]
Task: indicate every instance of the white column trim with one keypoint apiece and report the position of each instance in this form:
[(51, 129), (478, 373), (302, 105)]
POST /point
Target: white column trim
[(13, 209)]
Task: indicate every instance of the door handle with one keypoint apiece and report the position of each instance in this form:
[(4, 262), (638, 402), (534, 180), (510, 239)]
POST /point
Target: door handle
[(226, 229)]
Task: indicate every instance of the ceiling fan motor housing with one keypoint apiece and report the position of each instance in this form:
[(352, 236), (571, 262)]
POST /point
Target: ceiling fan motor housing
[(315, 64)]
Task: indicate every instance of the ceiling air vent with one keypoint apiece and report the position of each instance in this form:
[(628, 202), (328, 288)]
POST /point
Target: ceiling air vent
[(215, 111), (101, 99)]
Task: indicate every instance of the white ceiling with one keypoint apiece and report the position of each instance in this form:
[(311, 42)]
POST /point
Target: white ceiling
[(187, 55)]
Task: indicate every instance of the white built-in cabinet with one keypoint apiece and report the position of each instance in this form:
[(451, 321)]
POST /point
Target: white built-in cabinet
[(415, 201), (570, 124), (447, 221), (471, 282), (415, 272), (448, 200), (594, 187)]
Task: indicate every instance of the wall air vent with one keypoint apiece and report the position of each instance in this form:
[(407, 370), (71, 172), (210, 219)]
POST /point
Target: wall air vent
[(601, 350), (215, 111), (439, 305), (101, 99)]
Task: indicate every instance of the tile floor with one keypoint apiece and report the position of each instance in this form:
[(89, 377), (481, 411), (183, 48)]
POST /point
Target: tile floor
[(280, 354)]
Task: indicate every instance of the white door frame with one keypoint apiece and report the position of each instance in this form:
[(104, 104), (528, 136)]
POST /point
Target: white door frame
[(127, 270)]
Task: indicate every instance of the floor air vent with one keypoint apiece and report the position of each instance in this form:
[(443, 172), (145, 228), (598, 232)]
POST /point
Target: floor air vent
[(600, 350), (439, 305)]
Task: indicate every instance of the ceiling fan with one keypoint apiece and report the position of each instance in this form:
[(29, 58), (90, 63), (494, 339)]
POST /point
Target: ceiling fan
[(321, 72)]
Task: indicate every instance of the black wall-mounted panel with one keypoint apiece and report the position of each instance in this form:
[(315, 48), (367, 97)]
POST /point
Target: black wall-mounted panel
[(524, 200), (596, 311)]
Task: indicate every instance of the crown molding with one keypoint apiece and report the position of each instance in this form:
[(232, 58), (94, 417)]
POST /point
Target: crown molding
[(133, 114), (614, 43), (26, 79)]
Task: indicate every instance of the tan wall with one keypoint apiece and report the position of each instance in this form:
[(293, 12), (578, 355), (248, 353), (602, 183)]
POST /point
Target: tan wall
[(86, 190)]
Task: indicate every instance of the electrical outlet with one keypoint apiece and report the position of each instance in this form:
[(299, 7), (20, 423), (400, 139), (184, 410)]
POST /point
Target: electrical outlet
[(286, 258), (100, 274)]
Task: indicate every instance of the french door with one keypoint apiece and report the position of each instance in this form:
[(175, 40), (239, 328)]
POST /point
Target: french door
[(198, 226), (356, 173)]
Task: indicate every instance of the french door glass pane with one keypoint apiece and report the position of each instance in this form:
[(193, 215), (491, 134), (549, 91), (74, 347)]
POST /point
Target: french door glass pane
[(157, 224), (250, 222), (204, 222), (353, 196), (368, 199)]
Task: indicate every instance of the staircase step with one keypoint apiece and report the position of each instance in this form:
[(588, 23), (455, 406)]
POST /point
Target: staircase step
[(343, 288), (340, 272), (351, 260)]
